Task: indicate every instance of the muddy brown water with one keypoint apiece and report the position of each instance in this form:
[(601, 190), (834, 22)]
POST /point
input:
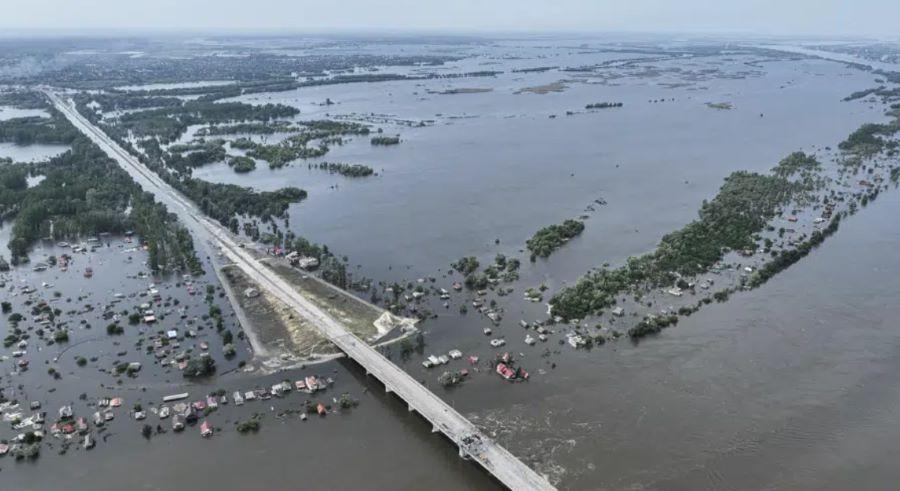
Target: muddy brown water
[(790, 386)]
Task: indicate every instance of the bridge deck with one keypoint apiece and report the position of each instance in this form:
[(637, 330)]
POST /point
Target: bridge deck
[(473, 444)]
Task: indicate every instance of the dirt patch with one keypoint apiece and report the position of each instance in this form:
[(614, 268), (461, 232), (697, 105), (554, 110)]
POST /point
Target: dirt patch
[(462, 90), (284, 334), (367, 321), (558, 86)]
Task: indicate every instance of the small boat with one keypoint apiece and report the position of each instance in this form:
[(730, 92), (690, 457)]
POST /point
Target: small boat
[(302, 416), (529, 340), (487, 331)]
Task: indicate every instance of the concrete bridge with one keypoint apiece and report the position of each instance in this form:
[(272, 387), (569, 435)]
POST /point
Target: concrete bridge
[(472, 443)]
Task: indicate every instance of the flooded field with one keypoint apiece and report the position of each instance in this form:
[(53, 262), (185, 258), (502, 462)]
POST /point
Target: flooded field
[(453, 188), (788, 386), (30, 153), (7, 112)]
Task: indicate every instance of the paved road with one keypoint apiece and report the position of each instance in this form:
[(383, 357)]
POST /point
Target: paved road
[(504, 466)]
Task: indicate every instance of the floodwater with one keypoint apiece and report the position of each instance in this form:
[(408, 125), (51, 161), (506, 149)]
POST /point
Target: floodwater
[(7, 112), (27, 153), (789, 386), (176, 85), (31, 153), (495, 166), (831, 55)]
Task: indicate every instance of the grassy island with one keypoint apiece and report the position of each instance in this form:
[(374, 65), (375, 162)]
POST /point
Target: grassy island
[(743, 206), (386, 140), (549, 239)]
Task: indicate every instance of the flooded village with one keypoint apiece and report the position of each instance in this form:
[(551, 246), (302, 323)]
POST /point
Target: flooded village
[(519, 289)]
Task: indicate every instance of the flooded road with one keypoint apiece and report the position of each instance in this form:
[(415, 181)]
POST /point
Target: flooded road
[(789, 386)]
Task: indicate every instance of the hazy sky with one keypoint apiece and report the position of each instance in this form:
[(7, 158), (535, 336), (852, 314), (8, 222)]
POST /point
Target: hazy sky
[(802, 17)]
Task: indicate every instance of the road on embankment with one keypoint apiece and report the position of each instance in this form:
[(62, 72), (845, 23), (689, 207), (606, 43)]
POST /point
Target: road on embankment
[(472, 443)]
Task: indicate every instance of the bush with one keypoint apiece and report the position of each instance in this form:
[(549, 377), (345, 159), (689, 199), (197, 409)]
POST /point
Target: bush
[(199, 367), (250, 425), (466, 265), (549, 239)]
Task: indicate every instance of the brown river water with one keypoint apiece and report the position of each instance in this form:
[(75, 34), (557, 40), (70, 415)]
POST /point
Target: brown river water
[(789, 386)]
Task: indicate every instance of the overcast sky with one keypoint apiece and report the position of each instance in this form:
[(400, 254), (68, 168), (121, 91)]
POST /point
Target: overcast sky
[(800, 17)]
